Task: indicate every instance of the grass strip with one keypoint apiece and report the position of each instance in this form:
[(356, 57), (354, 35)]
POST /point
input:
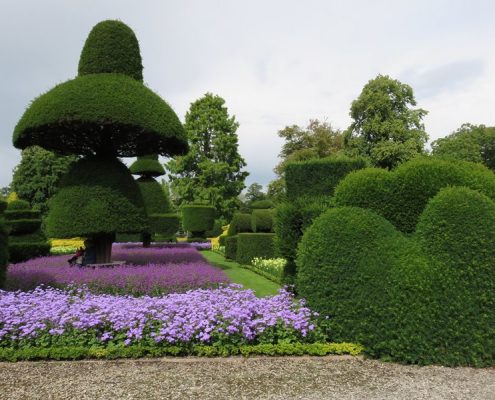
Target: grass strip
[(138, 351), (238, 274)]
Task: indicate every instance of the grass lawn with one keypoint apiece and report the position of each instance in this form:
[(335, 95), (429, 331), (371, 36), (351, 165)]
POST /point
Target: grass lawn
[(250, 280)]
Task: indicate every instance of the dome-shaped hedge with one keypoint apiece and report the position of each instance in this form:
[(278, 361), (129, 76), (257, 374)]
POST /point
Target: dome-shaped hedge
[(18, 205), (101, 113), (111, 47), (401, 195), (147, 166), (92, 202)]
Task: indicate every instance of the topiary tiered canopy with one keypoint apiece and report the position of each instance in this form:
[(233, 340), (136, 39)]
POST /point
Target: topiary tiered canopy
[(157, 205), (104, 113)]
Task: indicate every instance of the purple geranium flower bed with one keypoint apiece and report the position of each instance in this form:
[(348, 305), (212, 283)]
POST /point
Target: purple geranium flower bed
[(53, 317), (152, 271)]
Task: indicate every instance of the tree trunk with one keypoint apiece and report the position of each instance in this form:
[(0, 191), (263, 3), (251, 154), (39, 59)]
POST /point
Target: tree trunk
[(103, 248), (146, 237)]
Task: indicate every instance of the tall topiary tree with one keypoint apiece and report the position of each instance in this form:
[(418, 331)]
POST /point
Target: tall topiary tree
[(157, 205), (3, 244), (104, 113)]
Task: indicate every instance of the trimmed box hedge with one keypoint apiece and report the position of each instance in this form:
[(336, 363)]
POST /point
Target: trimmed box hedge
[(198, 219), (251, 245), (241, 223), (262, 220), (231, 247)]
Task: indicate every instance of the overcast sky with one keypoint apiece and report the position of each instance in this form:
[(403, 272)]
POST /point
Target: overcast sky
[(276, 63)]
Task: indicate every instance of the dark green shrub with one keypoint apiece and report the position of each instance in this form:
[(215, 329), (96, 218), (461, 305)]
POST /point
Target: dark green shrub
[(251, 245), (290, 221), (262, 220), (22, 214), (148, 166), (221, 240), (401, 195), (261, 204), (198, 219), (165, 225), (241, 222), (216, 230), (155, 199), (18, 205), (22, 251), (3, 206), (4, 254), (318, 177), (89, 201), (128, 238), (21, 226), (111, 47), (231, 247)]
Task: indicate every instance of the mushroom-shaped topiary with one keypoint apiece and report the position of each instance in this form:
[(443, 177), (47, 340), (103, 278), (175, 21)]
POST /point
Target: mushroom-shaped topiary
[(103, 113), (158, 209)]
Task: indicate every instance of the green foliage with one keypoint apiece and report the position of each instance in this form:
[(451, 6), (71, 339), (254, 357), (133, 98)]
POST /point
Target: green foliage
[(426, 298), (251, 245), (111, 47), (18, 205), (97, 196), (401, 195), (148, 166), (231, 247), (165, 225), (384, 127), (198, 219), (4, 252), (101, 113), (475, 143), (139, 351), (290, 221), (318, 177), (36, 177), (241, 222), (261, 204), (255, 193), (3, 206), (26, 239), (262, 220), (155, 199), (212, 170), (216, 230)]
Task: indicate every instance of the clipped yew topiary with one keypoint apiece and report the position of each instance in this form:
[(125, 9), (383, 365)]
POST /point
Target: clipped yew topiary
[(197, 219), (402, 194), (261, 204), (104, 113), (147, 166), (231, 247), (4, 254), (318, 177), (262, 220), (241, 222), (251, 245), (426, 298), (26, 239)]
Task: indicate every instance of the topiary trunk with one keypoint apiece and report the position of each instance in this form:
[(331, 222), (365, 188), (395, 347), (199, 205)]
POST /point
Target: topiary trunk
[(103, 248)]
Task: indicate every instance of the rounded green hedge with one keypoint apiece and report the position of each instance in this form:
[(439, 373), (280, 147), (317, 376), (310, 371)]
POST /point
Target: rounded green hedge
[(112, 47), (318, 177), (198, 219), (22, 251), (165, 225), (155, 199), (97, 196), (251, 245), (231, 247), (4, 253), (261, 204), (101, 113), (262, 220), (22, 214), (241, 222), (16, 205), (401, 195), (22, 226), (147, 166)]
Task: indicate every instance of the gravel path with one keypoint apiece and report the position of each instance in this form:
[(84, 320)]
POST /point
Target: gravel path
[(333, 377)]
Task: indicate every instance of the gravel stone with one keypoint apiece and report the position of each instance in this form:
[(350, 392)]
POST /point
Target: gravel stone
[(331, 377)]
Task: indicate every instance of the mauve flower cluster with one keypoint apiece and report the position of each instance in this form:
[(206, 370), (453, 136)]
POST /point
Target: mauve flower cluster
[(200, 316), (153, 271)]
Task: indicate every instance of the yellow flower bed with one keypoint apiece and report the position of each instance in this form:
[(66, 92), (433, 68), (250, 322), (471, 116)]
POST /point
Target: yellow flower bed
[(74, 242)]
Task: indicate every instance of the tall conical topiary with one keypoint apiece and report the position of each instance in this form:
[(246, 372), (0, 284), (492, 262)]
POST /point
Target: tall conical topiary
[(104, 113), (26, 238), (161, 220)]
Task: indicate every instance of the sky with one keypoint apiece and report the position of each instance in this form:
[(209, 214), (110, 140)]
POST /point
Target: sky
[(275, 62)]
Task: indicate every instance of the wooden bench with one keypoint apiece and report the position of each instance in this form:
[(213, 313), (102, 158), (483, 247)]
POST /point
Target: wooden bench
[(110, 264)]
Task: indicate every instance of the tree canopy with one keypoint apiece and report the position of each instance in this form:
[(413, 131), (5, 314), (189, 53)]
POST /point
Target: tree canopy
[(474, 143), (36, 178), (211, 172), (385, 128)]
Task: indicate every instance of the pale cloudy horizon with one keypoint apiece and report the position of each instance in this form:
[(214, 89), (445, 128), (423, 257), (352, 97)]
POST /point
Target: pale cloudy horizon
[(276, 63)]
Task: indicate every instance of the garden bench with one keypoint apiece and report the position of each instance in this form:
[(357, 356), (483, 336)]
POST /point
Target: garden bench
[(110, 264)]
